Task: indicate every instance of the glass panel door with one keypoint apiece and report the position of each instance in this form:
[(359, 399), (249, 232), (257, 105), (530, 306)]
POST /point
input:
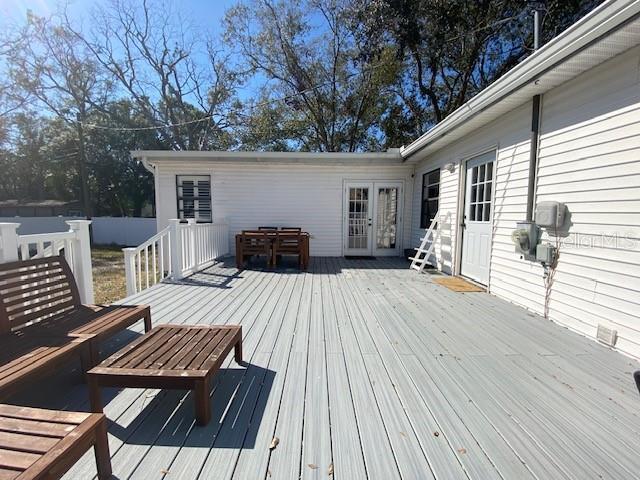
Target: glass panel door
[(372, 218), (387, 218), (358, 220)]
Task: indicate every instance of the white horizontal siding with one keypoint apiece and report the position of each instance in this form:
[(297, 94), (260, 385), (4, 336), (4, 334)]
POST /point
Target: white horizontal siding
[(308, 196), (589, 158)]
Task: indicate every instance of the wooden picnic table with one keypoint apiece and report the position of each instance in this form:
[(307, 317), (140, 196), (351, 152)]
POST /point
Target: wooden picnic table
[(170, 356), (272, 235)]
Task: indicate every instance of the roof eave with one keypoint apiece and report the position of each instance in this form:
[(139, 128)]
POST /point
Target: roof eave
[(607, 18)]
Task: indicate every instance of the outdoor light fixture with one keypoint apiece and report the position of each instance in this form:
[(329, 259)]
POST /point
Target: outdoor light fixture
[(450, 167)]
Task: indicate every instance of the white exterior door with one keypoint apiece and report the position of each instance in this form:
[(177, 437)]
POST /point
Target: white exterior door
[(372, 218), (477, 220)]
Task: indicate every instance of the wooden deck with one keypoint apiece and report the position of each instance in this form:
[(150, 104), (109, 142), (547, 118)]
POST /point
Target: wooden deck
[(365, 369)]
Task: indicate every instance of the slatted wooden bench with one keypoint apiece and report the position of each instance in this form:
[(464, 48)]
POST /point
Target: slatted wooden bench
[(43, 323), (37, 444), (169, 356)]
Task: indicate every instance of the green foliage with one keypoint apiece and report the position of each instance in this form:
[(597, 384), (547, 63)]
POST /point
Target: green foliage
[(451, 49), (322, 75), (307, 53)]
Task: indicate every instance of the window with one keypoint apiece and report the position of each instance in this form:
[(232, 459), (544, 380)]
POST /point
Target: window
[(430, 196), (480, 193), (194, 197)]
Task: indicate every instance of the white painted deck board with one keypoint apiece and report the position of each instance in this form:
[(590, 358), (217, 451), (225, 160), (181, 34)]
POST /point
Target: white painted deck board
[(356, 364)]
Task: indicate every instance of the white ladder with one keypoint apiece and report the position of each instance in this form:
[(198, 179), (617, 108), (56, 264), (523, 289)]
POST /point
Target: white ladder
[(422, 255)]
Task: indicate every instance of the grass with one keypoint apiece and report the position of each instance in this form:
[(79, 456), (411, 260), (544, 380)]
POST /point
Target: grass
[(108, 274)]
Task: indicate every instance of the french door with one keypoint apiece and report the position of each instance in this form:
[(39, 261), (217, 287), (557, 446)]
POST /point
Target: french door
[(372, 213), (478, 218)]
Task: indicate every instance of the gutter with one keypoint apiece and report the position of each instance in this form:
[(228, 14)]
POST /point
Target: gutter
[(191, 158), (607, 18), (149, 166)]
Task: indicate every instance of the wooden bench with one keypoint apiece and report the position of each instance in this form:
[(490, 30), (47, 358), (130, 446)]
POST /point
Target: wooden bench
[(169, 356), (43, 323), (37, 444)]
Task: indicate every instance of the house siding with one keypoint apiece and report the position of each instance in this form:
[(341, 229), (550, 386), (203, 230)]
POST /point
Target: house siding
[(309, 196), (589, 158)]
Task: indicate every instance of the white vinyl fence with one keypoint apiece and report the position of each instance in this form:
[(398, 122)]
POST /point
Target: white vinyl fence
[(125, 231)]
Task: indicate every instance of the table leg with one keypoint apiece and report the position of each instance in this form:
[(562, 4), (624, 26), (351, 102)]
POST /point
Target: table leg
[(147, 321), (94, 394), (202, 401), (101, 449), (238, 352), (238, 253), (90, 356)]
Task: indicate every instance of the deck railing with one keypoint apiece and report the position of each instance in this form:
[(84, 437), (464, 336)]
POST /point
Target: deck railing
[(75, 244), (148, 263), (177, 251)]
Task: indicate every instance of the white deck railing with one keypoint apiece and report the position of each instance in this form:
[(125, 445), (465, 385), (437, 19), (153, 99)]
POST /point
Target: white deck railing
[(148, 263), (177, 251), (74, 244)]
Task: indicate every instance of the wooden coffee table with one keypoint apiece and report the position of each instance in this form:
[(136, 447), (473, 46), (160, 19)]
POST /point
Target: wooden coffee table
[(39, 444), (172, 357)]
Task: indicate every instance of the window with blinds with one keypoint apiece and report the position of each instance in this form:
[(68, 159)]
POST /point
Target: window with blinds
[(194, 197)]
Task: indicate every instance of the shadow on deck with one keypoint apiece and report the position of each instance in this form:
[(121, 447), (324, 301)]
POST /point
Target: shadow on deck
[(365, 369)]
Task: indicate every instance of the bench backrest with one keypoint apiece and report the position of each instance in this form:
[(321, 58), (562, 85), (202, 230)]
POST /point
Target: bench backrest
[(34, 290)]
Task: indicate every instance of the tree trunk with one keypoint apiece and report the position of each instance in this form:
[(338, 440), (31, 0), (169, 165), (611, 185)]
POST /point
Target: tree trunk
[(82, 170)]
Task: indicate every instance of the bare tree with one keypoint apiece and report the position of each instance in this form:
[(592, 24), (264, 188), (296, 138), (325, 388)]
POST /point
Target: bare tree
[(49, 67), (175, 78), (335, 100)]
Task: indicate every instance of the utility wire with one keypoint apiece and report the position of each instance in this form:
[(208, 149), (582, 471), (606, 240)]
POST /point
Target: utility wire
[(273, 100)]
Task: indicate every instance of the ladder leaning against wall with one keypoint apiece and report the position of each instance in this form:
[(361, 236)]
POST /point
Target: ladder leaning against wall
[(427, 245)]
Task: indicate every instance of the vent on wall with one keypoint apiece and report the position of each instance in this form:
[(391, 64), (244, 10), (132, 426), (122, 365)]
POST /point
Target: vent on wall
[(607, 335)]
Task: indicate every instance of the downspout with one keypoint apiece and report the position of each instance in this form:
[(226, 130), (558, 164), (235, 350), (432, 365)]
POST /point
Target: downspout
[(535, 122), (151, 168), (533, 155)]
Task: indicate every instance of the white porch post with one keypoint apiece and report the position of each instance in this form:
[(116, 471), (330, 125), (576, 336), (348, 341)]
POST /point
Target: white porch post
[(9, 242), (225, 238), (130, 270), (176, 248), (191, 255), (82, 259)]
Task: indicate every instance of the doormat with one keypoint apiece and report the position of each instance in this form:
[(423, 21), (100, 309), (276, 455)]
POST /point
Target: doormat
[(359, 257), (457, 284)]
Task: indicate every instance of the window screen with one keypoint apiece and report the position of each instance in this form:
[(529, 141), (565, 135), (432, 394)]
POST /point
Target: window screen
[(430, 196), (194, 197)]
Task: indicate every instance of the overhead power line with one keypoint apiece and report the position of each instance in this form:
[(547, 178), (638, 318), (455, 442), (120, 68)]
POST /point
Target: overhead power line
[(275, 100)]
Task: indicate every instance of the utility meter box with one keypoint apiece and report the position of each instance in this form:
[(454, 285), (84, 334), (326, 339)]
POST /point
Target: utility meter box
[(545, 253), (550, 214), (525, 237)]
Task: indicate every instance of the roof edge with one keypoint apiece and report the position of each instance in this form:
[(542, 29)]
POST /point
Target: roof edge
[(599, 23), (392, 156)]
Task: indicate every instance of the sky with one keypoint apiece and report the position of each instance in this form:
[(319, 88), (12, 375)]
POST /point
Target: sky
[(12, 11), (207, 14)]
